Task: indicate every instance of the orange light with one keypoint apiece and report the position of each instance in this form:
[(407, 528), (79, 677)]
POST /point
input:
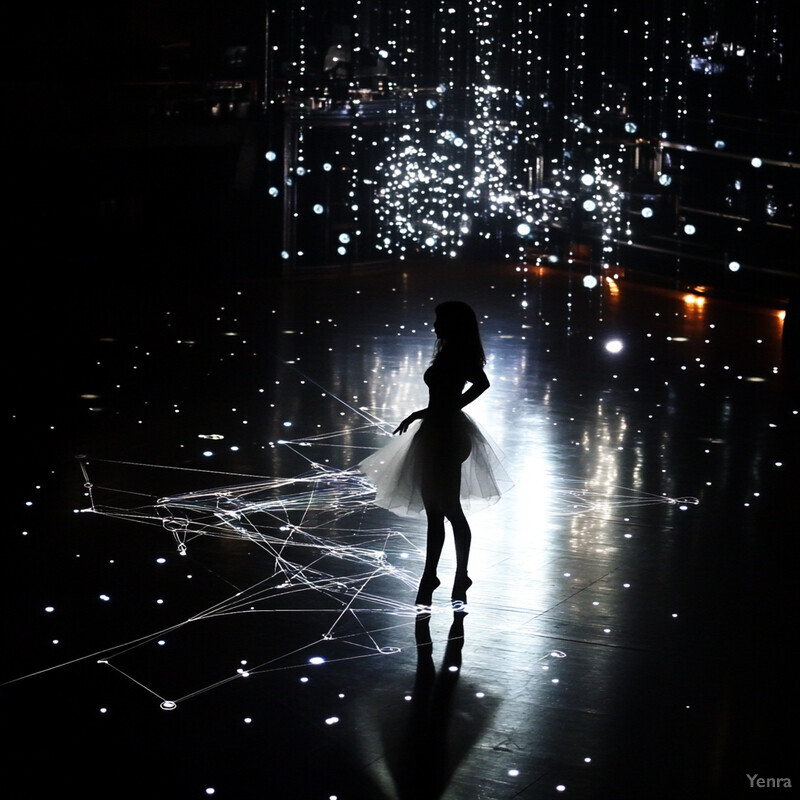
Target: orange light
[(694, 300)]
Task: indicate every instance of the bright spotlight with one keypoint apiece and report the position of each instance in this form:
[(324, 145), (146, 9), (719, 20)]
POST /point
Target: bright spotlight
[(614, 346)]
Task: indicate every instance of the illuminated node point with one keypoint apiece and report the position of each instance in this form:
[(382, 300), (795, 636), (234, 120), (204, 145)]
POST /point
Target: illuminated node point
[(210, 790), (169, 705), (49, 609), (664, 180), (273, 191), (318, 209), (513, 773), (316, 660), (590, 282), (561, 788), (614, 346), (630, 127), (331, 720), (270, 155), (105, 597), (734, 266), (587, 179), (719, 144), (756, 162), (523, 229), (689, 229), (284, 255), (589, 205), (647, 212), (344, 238)]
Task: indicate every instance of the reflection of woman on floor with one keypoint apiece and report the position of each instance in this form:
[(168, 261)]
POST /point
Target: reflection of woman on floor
[(447, 461)]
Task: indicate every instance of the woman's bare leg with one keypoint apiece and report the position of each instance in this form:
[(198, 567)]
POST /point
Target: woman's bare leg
[(433, 551)]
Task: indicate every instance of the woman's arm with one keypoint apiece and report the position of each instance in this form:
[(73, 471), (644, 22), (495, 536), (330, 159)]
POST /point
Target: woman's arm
[(403, 426), (479, 384)]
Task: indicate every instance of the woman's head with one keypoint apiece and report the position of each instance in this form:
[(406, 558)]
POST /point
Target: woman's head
[(457, 331)]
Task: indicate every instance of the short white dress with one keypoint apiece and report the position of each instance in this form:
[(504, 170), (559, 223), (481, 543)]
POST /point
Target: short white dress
[(446, 446)]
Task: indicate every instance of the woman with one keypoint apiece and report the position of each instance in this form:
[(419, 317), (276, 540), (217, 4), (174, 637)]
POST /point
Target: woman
[(448, 460)]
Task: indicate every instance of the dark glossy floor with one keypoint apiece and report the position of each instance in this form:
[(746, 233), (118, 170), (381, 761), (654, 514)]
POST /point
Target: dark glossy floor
[(200, 600)]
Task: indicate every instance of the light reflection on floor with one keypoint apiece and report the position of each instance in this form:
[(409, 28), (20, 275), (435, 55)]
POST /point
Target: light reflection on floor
[(235, 572)]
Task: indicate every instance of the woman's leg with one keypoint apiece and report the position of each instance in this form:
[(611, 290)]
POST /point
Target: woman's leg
[(462, 534), (433, 551)]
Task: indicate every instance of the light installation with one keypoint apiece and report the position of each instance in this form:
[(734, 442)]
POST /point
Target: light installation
[(531, 131)]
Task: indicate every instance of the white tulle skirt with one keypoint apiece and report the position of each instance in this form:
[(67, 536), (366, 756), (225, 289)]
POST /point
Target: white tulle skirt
[(435, 448)]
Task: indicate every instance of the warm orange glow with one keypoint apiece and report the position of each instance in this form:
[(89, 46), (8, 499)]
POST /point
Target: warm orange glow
[(613, 286), (694, 300)]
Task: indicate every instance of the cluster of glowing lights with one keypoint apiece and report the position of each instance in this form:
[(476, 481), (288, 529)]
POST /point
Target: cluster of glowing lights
[(493, 130)]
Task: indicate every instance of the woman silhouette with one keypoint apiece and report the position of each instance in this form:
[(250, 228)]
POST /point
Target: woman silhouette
[(447, 461)]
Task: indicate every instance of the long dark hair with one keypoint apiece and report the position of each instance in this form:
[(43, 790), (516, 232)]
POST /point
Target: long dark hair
[(459, 336)]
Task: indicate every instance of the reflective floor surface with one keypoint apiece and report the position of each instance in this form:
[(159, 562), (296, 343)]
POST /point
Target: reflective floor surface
[(200, 599)]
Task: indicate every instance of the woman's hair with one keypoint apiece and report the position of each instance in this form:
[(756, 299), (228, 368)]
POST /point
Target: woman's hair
[(458, 334)]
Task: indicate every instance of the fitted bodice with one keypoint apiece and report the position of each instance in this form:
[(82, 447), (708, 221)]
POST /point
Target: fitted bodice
[(445, 383)]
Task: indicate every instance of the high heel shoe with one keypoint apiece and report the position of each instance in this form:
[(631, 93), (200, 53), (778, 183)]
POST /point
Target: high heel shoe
[(460, 586), (427, 586)]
